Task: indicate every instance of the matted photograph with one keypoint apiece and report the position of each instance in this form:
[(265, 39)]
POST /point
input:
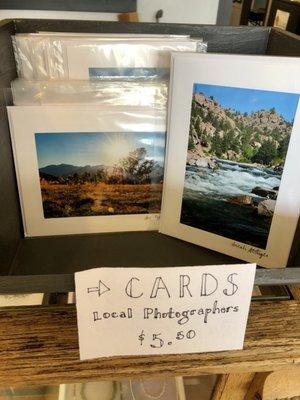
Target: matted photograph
[(231, 179), (88, 169)]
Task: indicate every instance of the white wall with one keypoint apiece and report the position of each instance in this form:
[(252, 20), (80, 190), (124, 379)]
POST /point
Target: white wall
[(4, 14), (184, 11)]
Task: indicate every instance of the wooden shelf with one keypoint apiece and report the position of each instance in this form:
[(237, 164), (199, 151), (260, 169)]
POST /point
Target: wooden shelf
[(39, 346)]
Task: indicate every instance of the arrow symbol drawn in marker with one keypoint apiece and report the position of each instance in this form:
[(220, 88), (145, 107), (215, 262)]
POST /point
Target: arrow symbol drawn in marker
[(100, 289)]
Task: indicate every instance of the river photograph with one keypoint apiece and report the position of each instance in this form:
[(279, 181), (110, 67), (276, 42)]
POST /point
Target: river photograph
[(238, 141)]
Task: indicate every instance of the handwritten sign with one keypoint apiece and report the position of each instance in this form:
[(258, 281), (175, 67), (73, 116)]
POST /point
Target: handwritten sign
[(136, 311)]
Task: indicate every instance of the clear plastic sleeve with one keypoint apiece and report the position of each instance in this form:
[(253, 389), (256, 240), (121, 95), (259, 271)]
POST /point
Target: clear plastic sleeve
[(88, 169), (44, 56), (31, 57), (25, 93), (201, 47)]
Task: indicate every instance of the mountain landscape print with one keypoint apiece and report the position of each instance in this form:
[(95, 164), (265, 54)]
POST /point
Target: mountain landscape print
[(238, 141), (89, 174)]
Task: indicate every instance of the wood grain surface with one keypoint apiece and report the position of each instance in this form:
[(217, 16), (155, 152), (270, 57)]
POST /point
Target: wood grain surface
[(282, 43), (39, 346), (233, 386), (267, 385), (281, 385)]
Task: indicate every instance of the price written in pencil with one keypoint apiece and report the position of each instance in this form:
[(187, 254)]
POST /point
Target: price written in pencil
[(157, 341)]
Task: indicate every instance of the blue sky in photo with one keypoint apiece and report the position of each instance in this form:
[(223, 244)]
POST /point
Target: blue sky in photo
[(95, 148), (251, 100), (138, 72)]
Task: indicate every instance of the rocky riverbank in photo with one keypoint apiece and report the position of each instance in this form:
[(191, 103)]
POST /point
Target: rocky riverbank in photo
[(234, 200), (260, 198)]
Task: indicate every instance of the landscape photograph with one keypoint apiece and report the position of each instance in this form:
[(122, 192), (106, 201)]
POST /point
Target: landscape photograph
[(238, 142), (98, 173)]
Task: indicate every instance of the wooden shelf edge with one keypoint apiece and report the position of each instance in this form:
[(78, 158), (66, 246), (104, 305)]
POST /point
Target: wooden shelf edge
[(39, 346), (65, 282)]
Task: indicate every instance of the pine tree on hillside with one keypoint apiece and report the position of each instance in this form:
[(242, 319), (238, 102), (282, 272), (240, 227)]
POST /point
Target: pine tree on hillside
[(266, 153)]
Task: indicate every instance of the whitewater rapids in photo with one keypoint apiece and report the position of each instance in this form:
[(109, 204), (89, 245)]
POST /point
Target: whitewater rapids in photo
[(206, 201)]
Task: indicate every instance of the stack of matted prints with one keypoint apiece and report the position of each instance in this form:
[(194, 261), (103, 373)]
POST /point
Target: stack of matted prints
[(88, 130), (100, 56), (91, 163)]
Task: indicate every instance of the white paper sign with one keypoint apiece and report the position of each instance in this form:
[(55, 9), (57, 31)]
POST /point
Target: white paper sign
[(138, 311)]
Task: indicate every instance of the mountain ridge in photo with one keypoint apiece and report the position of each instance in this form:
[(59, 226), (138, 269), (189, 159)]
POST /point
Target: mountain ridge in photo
[(64, 170)]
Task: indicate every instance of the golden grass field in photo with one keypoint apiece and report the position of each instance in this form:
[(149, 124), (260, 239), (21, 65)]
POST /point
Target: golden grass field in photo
[(90, 199)]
